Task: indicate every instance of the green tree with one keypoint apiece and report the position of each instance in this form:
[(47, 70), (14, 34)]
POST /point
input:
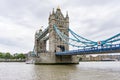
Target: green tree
[(7, 55), (21, 56), (1, 55)]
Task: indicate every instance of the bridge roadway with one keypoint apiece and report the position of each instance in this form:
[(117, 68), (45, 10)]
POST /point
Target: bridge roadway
[(95, 50)]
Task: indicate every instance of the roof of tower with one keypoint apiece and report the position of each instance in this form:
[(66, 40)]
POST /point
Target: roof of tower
[(67, 14), (53, 11), (58, 8)]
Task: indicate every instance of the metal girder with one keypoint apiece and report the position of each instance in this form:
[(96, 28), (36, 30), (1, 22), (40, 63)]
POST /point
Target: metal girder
[(113, 37), (74, 42), (45, 38), (95, 50)]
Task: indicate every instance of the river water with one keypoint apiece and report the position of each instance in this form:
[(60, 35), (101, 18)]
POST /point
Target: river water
[(82, 71)]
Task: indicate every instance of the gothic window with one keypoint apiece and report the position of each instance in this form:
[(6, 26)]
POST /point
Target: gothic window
[(64, 32), (40, 47), (56, 17), (40, 44)]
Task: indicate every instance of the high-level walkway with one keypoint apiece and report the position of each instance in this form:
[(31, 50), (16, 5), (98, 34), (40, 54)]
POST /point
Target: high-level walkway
[(95, 50)]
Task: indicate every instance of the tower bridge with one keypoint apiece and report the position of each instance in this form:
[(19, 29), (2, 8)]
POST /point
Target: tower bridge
[(57, 34)]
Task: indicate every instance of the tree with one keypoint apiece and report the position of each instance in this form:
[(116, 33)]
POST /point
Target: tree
[(21, 56), (15, 56), (1, 55), (7, 55)]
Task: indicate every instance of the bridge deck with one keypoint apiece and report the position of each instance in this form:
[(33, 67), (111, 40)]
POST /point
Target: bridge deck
[(110, 49)]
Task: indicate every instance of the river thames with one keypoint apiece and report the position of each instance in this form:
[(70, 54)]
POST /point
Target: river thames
[(82, 71)]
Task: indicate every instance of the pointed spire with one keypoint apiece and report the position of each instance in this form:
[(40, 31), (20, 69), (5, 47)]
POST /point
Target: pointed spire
[(58, 8), (53, 11), (67, 14)]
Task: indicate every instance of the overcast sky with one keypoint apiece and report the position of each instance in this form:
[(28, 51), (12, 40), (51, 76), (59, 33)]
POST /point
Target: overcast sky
[(19, 20)]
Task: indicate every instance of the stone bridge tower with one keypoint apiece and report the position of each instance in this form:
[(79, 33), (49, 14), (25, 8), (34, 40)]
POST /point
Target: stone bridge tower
[(57, 18), (55, 43), (40, 45)]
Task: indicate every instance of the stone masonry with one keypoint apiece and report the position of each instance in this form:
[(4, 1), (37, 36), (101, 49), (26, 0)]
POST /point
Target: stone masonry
[(55, 43)]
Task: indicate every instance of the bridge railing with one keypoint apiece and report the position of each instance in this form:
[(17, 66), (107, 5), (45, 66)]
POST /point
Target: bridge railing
[(102, 49)]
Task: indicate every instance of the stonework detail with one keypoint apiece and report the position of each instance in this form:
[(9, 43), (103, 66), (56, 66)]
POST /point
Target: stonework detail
[(57, 18), (55, 43)]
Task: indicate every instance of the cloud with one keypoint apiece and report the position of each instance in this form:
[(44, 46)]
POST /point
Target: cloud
[(14, 35), (92, 19)]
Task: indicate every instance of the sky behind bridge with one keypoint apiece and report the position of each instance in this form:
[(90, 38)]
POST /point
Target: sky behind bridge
[(19, 20)]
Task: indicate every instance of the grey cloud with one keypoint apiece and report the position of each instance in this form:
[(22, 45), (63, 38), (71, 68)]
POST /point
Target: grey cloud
[(91, 2), (15, 42), (112, 23), (18, 10), (104, 28), (33, 13), (7, 41)]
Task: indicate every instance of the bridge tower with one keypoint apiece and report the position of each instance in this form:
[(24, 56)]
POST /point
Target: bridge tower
[(57, 18), (55, 42), (40, 45)]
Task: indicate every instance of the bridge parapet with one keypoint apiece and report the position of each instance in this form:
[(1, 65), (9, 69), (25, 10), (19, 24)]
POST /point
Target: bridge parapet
[(115, 48)]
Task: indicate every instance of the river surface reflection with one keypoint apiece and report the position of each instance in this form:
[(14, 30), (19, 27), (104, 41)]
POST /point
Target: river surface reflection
[(82, 71)]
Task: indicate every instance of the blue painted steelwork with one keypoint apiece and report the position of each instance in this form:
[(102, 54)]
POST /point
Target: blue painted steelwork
[(85, 46), (88, 46), (94, 50), (112, 39), (77, 41), (81, 38)]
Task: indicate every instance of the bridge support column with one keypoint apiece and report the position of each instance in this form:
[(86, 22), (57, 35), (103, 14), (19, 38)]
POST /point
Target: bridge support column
[(51, 58)]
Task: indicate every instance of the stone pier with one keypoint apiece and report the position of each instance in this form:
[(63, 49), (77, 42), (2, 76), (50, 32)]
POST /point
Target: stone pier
[(51, 58)]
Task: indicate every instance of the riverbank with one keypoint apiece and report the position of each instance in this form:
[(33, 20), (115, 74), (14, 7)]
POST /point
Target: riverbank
[(12, 60)]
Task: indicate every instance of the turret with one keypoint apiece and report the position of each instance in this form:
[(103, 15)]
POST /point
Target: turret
[(67, 17), (58, 8), (52, 16), (53, 12)]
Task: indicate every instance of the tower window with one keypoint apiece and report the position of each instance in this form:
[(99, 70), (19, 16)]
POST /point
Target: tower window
[(57, 17)]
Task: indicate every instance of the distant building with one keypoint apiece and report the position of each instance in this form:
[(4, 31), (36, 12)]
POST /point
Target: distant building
[(30, 54), (100, 57)]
